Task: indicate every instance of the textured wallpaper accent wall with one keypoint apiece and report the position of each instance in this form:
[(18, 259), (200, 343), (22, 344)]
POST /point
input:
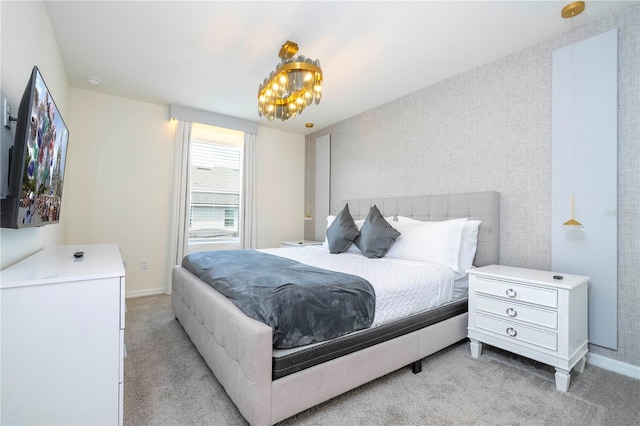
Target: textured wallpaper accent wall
[(490, 129)]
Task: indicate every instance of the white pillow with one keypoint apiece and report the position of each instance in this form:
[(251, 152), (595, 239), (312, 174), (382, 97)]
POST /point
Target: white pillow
[(468, 243), (434, 242)]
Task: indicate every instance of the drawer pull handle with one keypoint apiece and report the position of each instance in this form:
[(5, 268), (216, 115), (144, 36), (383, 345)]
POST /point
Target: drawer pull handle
[(511, 332), (511, 293), (512, 312)]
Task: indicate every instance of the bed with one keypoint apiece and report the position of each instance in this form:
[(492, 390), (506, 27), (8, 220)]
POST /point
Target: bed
[(269, 385)]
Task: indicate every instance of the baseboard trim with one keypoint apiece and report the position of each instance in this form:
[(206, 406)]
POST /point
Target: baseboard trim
[(614, 365), (141, 293)]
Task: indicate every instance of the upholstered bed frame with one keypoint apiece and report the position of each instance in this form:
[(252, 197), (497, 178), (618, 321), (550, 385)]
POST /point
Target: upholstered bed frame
[(238, 349)]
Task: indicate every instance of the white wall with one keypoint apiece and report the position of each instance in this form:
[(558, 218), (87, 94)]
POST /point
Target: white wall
[(118, 182), (28, 40), (120, 169), (279, 187)]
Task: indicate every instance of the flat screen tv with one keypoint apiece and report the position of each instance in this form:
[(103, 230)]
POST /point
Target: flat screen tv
[(36, 160)]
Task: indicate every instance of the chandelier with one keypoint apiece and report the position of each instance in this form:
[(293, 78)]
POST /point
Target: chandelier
[(294, 85)]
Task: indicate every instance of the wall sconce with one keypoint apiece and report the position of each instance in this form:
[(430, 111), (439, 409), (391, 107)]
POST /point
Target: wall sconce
[(572, 224), (570, 11)]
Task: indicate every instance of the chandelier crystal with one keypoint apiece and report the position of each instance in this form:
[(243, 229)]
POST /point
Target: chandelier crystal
[(295, 84)]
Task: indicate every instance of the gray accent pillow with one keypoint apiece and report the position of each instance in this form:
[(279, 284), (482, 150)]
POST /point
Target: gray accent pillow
[(376, 235), (342, 231)]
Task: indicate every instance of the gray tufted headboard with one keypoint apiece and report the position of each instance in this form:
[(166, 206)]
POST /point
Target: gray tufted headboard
[(484, 206)]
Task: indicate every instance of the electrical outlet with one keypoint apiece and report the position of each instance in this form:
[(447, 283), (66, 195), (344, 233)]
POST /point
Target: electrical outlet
[(144, 264), (6, 113)]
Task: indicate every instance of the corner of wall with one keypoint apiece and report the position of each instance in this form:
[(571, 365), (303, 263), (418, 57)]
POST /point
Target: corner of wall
[(37, 46)]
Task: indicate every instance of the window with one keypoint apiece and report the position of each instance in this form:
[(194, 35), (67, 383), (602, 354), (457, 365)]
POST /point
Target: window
[(215, 192), (229, 217)]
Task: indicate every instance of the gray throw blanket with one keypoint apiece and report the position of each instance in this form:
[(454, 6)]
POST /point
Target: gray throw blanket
[(301, 303)]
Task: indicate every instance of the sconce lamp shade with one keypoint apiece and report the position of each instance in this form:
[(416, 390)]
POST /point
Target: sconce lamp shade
[(572, 224)]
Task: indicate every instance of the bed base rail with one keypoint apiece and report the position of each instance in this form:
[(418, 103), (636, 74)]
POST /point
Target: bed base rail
[(238, 350)]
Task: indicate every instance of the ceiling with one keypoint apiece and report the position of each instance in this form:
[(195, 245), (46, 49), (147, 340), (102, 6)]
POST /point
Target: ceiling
[(213, 55)]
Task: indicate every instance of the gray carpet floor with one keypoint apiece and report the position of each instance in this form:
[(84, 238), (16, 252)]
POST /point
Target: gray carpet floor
[(166, 382)]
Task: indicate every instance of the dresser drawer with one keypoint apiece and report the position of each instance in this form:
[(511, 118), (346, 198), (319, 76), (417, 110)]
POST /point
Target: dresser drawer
[(508, 309), (512, 291), (518, 332)]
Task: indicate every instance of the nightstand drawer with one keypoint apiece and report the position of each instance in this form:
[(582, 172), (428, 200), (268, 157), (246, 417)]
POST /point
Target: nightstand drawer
[(518, 332), (511, 291), (509, 309)]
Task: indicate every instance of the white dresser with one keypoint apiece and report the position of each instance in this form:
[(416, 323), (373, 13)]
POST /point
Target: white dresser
[(63, 337), (530, 313)]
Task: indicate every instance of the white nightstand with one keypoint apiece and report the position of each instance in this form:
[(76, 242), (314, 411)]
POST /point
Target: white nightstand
[(530, 313), (300, 243)]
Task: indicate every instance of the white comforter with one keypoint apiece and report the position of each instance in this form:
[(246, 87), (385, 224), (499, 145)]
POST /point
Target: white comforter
[(403, 287)]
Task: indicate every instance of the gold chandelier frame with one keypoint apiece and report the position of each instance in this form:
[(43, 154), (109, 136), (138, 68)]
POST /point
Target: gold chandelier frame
[(294, 85)]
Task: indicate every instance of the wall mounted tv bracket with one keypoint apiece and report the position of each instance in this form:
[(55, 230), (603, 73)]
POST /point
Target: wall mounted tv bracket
[(6, 113)]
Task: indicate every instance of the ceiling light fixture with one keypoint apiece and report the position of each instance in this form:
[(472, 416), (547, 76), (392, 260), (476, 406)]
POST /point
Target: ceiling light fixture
[(294, 85), (93, 81)]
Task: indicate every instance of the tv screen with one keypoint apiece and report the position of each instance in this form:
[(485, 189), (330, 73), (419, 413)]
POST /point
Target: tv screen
[(36, 161)]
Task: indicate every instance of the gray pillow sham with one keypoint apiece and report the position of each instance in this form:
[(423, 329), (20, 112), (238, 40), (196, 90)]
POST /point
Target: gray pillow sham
[(342, 232), (376, 235)]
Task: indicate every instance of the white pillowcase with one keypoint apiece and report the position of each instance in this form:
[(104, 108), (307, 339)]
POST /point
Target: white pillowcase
[(468, 242), (434, 242), (468, 245)]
